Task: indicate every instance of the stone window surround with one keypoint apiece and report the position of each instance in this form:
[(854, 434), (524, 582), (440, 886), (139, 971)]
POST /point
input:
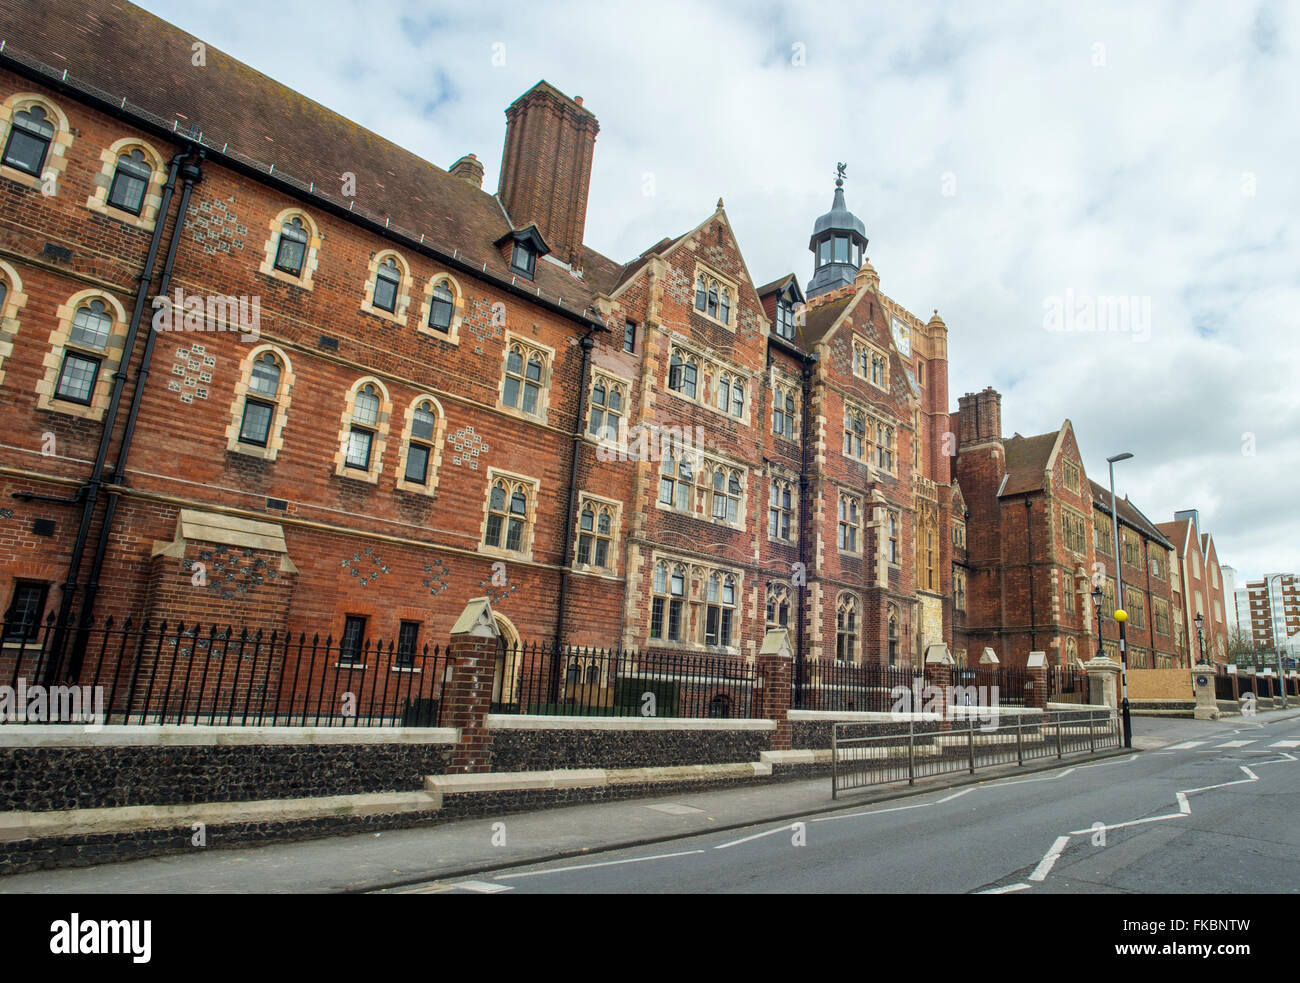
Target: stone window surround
[(533, 488), (275, 440), (544, 384), (310, 259), (702, 490), (777, 479), (615, 530), (708, 369), (860, 525), (430, 487), (103, 181), (56, 158), (452, 335), (379, 441), (403, 301), (696, 600), (724, 282), (778, 383), (860, 342), (15, 300), (611, 378), (110, 357), (854, 604)]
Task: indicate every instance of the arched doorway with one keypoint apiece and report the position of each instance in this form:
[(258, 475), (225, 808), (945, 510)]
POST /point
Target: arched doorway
[(505, 677)]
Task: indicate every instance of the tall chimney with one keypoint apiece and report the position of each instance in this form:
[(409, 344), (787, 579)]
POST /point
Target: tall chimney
[(981, 417), (546, 167)]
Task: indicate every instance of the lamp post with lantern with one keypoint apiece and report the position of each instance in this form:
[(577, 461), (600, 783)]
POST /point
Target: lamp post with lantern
[(1121, 616)]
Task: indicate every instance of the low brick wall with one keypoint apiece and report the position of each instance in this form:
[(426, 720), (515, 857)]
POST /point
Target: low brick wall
[(545, 743), (38, 773)]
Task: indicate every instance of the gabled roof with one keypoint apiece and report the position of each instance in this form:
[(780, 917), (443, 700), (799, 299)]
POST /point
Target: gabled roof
[(1178, 531), (245, 115), (1027, 459), (1129, 514)]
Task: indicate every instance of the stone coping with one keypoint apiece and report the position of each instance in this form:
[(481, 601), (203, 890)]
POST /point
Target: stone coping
[(876, 717), (123, 819), (511, 781), (180, 735), (530, 721)]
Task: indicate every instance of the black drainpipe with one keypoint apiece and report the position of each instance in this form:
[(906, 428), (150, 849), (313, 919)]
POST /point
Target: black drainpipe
[(88, 494), (586, 343), (191, 173), (1029, 534), (810, 364)]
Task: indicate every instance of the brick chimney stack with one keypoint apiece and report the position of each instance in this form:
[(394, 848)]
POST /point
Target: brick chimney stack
[(468, 168), (546, 167), (981, 417)]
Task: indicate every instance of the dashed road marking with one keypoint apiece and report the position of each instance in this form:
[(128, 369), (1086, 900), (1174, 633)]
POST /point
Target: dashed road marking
[(1008, 889), (1286, 744), (1185, 746), (606, 863), (756, 836), (1049, 861), (1234, 744), (481, 887)]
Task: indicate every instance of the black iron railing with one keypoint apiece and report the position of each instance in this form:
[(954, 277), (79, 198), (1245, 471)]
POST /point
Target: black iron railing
[(538, 678), (182, 673), (850, 687)]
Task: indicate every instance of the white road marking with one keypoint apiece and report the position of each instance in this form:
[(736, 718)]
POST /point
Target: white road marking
[(1049, 860), (607, 863), (1184, 806), (1185, 746), (481, 887), (756, 836), (872, 812), (673, 808), (1008, 889), (1235, 744), (955, 795), (1286, 744)]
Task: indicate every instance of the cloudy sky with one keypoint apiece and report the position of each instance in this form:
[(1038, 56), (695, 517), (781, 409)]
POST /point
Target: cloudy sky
[(1012, 163)]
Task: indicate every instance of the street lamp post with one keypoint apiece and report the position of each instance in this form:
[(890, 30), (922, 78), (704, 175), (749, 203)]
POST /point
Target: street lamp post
[(1121, 616), (1200, 634), (1277, 646)]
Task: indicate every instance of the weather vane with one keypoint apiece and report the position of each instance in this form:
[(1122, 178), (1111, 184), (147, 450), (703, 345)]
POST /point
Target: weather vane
[(840, 168)]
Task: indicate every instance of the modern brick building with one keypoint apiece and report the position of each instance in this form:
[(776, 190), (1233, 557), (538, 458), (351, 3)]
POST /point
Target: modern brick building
[(394, 390)]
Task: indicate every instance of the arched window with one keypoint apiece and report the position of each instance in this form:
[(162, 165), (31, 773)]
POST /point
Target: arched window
[(724, 392), (846, 629), (724, 307), (291, 251), (668, 603), (508, 515), (778, 606), (130, 182), (84, 353), (780, 510), (523, 383), (30, 135), (783, 412), (596, 534), (720, 707), (442, 307), (260, 403), (574, 676), (607, 398), (683, 372), (893, 635), (727, 490), (855, 433), (420, 446), (737, 398), (850, 522), (701, 294), (712, 308), (593, 674), (388, 282), (675, 480), (720, 609), (365, 422)]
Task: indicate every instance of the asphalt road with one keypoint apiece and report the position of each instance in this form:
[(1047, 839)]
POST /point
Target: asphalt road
[(1217, 814)]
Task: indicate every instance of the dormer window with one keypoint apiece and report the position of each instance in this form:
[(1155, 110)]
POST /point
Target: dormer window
[(522, 260), (785, 320), (525, 246)]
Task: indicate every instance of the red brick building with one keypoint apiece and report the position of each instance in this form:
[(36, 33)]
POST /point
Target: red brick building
[(1201, 582), (384, 390)]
